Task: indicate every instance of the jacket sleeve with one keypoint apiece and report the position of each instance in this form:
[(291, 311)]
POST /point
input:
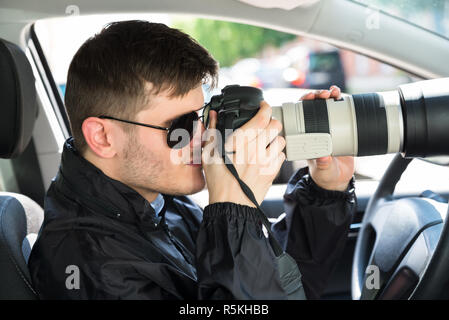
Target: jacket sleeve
[(314, 228), (234, 257)]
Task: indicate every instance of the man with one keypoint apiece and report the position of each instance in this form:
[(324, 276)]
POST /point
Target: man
[(118, 224)]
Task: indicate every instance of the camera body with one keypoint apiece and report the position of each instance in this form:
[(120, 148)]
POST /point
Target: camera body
[(235, 106)]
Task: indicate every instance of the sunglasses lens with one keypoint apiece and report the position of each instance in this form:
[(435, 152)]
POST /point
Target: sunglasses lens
[(181, 131)]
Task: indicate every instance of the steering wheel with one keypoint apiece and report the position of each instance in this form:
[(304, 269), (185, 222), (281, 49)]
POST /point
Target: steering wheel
[(402, 250)]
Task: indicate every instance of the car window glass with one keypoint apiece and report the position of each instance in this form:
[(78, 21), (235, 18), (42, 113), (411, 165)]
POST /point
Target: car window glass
[(431, 15), (7, 180)]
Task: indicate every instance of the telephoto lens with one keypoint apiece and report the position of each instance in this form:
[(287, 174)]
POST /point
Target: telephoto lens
[(413, 120), (356, 125)]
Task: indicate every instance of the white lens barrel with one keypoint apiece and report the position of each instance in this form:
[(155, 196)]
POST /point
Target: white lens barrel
[(356, 125), (395, 121), (343, 126)]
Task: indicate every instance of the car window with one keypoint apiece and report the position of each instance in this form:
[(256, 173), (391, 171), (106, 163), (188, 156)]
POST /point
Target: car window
[(7, 179), (283, 65), (325, 62), (431, 15)]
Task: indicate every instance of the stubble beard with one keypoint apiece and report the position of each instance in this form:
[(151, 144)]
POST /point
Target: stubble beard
[(145, 172)]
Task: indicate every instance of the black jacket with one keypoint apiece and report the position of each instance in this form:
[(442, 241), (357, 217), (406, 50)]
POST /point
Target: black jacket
[(107, 236)]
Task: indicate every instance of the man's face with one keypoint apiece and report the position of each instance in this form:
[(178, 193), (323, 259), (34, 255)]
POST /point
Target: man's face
[(147, 164)]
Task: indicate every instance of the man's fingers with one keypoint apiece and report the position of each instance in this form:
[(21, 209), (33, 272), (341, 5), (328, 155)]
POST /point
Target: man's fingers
[(211, 139), (333, 92), (263, 139), (308, 96), (273, 165), (324, 94), (212, 119), (211, 131), (250, 130), (275, 147), (269, 134), (260, 120)]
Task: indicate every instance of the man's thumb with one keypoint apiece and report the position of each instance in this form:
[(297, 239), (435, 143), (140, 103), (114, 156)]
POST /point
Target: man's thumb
[(212, 119), (324, 162)]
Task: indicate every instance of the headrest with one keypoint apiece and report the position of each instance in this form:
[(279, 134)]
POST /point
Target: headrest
[(18, 110)]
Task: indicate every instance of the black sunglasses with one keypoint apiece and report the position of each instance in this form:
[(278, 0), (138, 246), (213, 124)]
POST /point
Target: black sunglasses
[(188, 122)]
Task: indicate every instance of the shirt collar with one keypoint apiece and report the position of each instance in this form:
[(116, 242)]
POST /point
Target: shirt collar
[(158, 204)]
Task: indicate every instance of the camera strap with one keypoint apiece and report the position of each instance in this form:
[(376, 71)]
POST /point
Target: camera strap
[(289, 274), (273, 241), (227, 122)]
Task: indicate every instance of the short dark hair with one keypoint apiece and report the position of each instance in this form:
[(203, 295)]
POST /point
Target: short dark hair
[(108, 73)]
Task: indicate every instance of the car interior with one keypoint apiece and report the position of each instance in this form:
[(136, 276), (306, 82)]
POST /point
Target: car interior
[(401, 228)]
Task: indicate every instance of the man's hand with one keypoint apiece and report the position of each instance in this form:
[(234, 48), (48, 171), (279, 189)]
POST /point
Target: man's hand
[(331, 173), (255, 149)]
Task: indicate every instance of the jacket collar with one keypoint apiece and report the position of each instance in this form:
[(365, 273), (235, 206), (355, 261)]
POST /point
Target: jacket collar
[(90, 186)]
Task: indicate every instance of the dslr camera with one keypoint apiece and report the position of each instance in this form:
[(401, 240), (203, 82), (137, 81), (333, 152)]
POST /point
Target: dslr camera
[(413, 120)]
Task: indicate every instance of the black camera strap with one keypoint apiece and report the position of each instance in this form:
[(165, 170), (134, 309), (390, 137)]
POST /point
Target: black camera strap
[(289, 273), (247, 190), (274, 243)]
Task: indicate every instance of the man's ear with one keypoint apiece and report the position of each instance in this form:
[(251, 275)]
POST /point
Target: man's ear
[(98, 135)]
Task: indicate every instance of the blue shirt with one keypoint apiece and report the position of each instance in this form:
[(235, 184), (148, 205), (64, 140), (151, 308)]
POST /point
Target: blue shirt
[(158, 205)]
